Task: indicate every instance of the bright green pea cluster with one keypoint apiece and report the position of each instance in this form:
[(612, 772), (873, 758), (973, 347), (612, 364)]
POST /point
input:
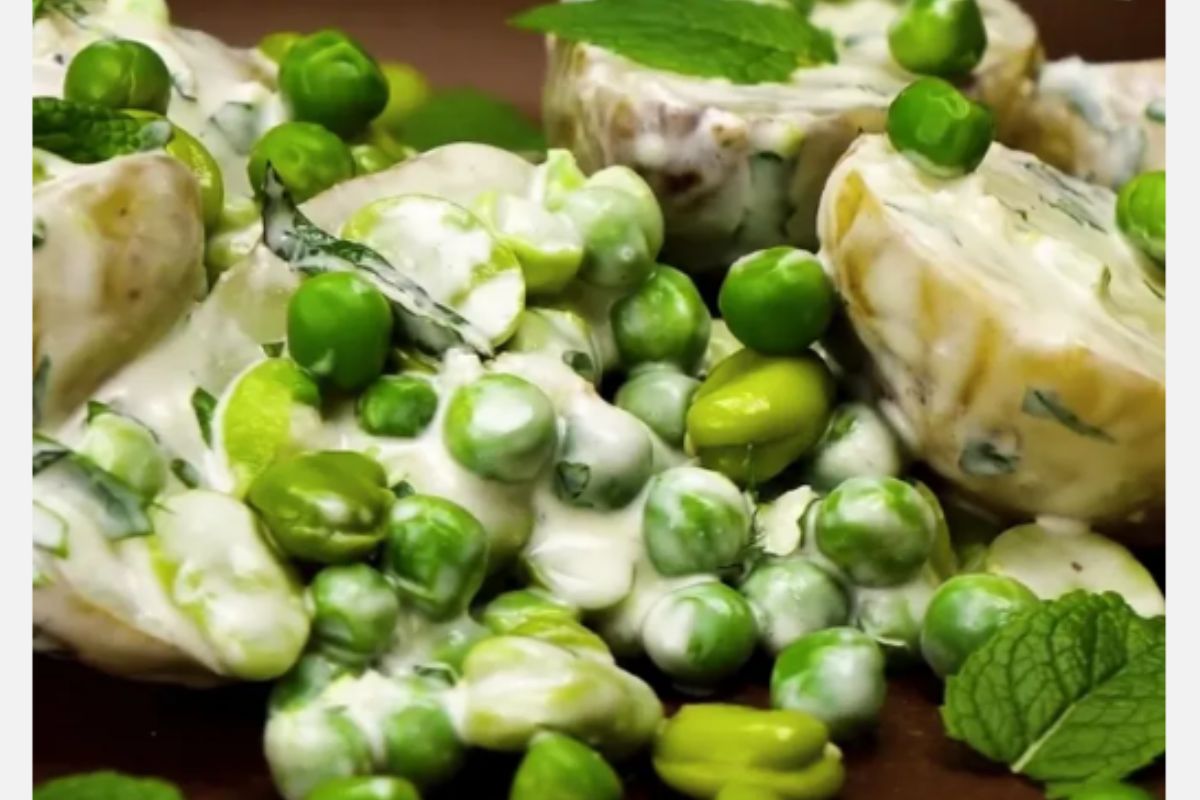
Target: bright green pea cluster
[(946, 38)]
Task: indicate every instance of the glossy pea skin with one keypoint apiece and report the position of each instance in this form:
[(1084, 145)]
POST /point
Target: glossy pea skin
[(501, 427), (328, 507), (369, 159), (659, 396), (664, 321), (354, 612), (617, 251), (946, 38), (879, 531), (700, 634), (119, 73), (307, 678), (328, 78), (371, 788), (938, 129), (558, 767), (777, 301), (837, 675), (605, 459), (793, 597), (436, 553), (1142, 213), (694, 521), (964, 613), (514, 608), (305, 750), (397, 405), (339, 328), (420, 744), (408, 89), (308, 158)]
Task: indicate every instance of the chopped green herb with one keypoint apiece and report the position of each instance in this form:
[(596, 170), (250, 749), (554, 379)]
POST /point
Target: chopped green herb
[(572, 478), (39, 233), (41, 380), (742, 42), (273, 349), (403, 489), (1046, 404), (203, 406), (188, 475), (580, 362), (123, 514), (984, 459), (95, 408), (1070, 691)]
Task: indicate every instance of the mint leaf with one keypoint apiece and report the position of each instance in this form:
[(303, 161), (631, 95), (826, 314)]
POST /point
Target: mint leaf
[(469, 115), (87, 134), (1071, 691), (1046, 404), (106, 786), (204, 405), (122, 513), (741, 42)]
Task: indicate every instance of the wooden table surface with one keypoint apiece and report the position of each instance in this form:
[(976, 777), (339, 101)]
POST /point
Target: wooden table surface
[(209, 742)]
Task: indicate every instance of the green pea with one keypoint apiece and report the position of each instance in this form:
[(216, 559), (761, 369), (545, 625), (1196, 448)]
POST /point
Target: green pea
[(373, 788), (557, 767), (946, 38), (934, 126), (1142, 213), (700, 634), (694, 521), (328, 78), (568, 634), (512, 609), (964, 613), (501, 427), (397, 405), (119, 73), (617, 253), (329, 507), (837, 675), (665, 321), (421, 744), (408, 89), (276, 45), (1109, 790), (659, 396), (606, 458), (339, 328), (793, 597), (354, 612), (307, 679), (879, 531), (436, 553), (307, 747), (308, 158), (128, 450), (777, 301), (369, 159), (857, 442)]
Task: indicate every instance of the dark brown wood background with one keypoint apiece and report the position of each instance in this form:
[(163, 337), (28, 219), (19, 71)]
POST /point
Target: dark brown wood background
[(210, 742)]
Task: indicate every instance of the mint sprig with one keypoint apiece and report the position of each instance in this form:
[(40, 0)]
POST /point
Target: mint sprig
[(742, 42), (86, 134), (1071, 691), (106, 786)]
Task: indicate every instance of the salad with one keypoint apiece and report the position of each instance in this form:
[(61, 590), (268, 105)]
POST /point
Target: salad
[(826, 335)]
